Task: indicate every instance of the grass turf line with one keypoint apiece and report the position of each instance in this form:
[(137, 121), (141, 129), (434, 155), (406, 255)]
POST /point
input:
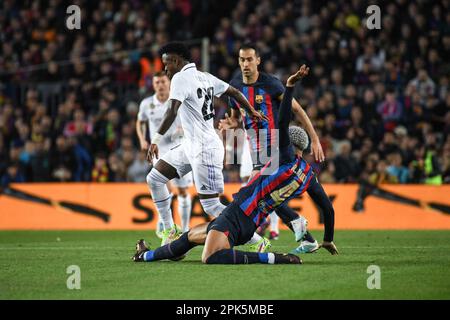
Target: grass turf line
[(33, 264)]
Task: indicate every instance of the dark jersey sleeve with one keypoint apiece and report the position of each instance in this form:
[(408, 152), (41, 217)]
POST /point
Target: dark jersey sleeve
[(284, 118), (278, 88)]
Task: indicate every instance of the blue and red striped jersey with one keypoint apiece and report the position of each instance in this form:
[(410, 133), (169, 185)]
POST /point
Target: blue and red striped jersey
[(263, 95), (264, 193)]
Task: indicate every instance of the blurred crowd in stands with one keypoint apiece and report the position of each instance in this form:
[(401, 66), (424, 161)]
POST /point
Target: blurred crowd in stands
[(379, 99)]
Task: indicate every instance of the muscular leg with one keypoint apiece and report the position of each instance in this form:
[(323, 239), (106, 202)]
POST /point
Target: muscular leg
[(188, 240), (157, 180), (218, 251)]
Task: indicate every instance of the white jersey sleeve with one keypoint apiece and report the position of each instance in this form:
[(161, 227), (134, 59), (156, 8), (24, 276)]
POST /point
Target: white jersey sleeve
[(178, 89), (142, 115), (219, 86)]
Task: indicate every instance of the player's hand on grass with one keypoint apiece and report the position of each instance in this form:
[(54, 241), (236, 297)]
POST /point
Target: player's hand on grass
[(317, 151), (330, 246), (302, 72), (153, 152), (228, 123)]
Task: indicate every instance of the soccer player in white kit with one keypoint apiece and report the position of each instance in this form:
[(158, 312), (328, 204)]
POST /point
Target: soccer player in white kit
[(191, 95), (151, 113)]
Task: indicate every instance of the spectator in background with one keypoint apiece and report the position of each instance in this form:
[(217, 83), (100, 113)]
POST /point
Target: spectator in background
[(345, 164), (390, 110), (381, 174), (396, 169), (62, 161), (423, 85), (138, 169), (12, 175), (426, 168), (40, 162), (117, 169), (100, 172)]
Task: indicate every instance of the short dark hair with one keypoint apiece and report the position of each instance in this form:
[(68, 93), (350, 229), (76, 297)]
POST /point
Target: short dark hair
[(160, 74), (250, 45), (177, 48)]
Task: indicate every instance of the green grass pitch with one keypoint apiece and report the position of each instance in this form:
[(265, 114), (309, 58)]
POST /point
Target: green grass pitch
[(413, 264)]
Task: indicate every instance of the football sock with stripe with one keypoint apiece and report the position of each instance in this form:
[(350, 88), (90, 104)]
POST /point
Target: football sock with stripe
[(172, 250), (157, 183), (231, 256)]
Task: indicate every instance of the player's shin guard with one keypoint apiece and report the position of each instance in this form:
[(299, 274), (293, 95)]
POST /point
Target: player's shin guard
[(157, 183), (184, 209), (172, 250), (230, 256), (212, 206)]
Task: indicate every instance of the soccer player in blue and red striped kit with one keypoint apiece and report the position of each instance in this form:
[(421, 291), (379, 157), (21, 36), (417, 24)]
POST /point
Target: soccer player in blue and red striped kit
[(265, 92), (252, 204)]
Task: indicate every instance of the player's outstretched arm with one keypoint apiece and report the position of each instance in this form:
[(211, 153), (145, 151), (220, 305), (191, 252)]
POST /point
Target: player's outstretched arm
[(284, 115), (316, 148), (242, 101), (169, 118)]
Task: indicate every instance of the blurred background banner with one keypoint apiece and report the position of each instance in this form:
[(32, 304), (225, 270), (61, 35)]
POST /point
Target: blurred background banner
[(128, 206)]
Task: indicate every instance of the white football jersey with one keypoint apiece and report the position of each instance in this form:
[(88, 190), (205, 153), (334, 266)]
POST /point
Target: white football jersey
[(153, 110), (196, 91)]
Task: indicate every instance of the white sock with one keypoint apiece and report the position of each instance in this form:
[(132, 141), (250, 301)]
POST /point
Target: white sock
[(274, 222), (271, 257), (296, 223), (256, 237), (157, 183), (212, 206), (184, 210), (160, 225)]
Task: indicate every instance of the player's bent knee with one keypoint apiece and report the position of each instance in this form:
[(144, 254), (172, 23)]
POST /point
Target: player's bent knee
[(156, 178), (197, 235)]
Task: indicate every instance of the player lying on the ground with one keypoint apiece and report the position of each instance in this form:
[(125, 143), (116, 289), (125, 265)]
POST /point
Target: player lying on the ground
[(252, 204)]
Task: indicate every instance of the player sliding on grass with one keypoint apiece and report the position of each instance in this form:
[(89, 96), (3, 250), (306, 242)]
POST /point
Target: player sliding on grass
[(252, 204)]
